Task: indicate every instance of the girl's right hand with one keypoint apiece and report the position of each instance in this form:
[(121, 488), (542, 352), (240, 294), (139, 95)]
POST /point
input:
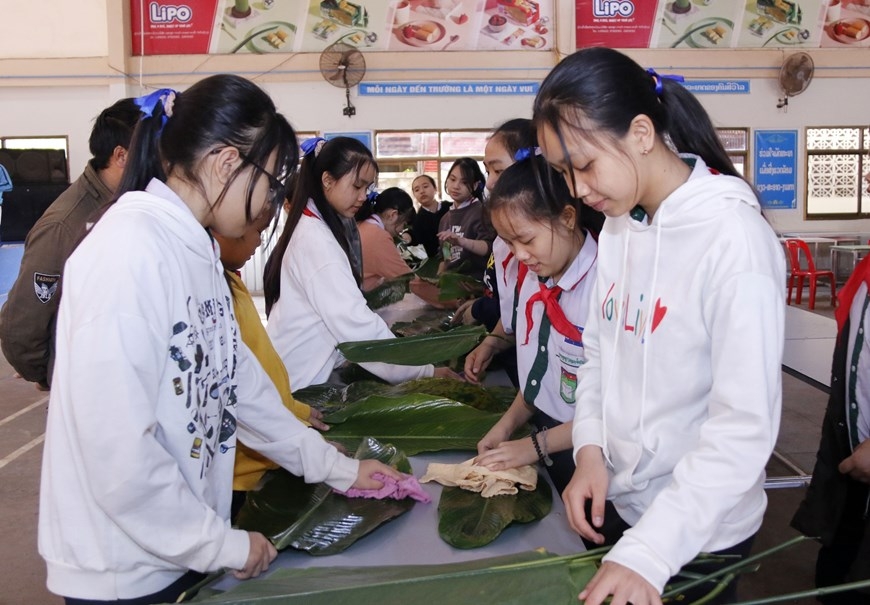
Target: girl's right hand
[(493, 438), (588, 483), (477, 361), (367, 468), (262, 553)]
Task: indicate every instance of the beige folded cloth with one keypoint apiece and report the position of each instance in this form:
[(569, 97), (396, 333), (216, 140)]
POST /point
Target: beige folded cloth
[(472, 477)]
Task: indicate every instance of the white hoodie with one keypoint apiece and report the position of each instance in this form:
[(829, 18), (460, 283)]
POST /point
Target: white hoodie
[(682, 387), (150, 386)]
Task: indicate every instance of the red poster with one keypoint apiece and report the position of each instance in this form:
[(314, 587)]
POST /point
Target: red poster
[(172, 27), (615, 23)]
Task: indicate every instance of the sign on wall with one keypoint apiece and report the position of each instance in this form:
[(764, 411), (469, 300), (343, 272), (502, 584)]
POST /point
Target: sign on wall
[(776, 168), (719, 24), (284, 26)]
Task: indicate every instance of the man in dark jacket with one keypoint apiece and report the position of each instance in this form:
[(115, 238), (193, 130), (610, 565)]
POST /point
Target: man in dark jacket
[(27, 319), (836, 505)]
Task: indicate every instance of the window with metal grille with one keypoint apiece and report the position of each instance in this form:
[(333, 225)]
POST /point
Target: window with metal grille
[(838, 172)]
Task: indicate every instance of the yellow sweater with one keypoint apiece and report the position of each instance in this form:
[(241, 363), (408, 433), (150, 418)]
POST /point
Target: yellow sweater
[(250, 465)]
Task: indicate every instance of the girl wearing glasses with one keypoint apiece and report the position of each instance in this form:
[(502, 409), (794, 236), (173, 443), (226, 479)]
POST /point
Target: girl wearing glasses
[(152, 383), (313, 296)]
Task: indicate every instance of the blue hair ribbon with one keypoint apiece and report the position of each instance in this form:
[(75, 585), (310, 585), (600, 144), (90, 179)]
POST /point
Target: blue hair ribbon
[(310, 145), (372, 194), (147, 103), (657, 78), (524, 153)]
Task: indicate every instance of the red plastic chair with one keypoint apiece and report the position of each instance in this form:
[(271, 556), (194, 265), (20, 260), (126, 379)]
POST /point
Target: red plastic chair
[(811, 274)]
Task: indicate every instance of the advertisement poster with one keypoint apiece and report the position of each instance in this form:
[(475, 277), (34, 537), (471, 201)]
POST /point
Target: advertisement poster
[(167, 28), (847, 23), (776, 168), (617, 24), (163, 27)]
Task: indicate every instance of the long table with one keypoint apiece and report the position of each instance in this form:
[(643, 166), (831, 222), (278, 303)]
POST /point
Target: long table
[(412, 539), (857, 252)]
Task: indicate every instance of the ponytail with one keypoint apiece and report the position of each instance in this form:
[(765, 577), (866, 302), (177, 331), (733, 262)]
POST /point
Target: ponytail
[(690, 128)]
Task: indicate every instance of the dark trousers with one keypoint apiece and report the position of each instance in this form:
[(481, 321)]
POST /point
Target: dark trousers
[(167, 595), (614, 526), (842, 561)]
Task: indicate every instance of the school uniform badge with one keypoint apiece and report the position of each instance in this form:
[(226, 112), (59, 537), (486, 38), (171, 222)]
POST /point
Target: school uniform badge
[(45, 286)]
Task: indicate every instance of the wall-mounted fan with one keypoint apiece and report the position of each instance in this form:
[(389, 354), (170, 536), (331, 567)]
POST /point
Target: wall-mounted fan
[(343, 66), (794, 76)]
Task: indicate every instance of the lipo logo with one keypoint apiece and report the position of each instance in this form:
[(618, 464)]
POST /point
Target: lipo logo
[(612, 8), (169, 13)]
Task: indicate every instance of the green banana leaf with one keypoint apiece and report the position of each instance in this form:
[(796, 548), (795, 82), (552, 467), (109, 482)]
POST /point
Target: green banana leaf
[(413, 423), (429, 269), (531, 577), (488, 399), (389, 292), (468, 520), (415, 350), (453, 285), (312, 517), (428, 322)]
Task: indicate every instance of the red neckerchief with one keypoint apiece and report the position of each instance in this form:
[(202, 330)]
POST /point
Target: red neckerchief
[(307, 212), (550, 298)]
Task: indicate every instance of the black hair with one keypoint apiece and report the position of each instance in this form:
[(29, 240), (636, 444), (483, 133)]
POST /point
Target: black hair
[(521, 189), (471, 175), (425, 176), (218, 111), (515, 134), (112, 128), (390, 198), (337, 157), (599, 91)]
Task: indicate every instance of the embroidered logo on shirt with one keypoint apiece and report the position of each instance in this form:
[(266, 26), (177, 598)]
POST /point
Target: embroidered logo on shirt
[(45, 286)]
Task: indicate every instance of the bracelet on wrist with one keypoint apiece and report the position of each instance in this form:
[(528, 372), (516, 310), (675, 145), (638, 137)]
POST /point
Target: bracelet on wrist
[(543, 457)]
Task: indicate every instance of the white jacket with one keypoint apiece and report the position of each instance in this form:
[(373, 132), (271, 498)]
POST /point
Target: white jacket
[(151, 385), (682, 387), (321, 306)]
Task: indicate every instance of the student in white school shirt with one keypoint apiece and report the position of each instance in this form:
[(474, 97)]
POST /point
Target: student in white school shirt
[(312, 291), (545, 235)]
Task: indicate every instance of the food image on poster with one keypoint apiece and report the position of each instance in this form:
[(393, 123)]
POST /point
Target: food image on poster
[(781, 23), (421, 33), (849, 31), (516, 24)]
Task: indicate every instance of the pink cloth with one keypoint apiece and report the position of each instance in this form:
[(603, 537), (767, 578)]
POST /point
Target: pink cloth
[(406, 487)]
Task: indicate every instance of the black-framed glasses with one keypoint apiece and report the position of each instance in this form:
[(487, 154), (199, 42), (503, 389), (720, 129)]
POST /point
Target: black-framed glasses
[(277, 184)]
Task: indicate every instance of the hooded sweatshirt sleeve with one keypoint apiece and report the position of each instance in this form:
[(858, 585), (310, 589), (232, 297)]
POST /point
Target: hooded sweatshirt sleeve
[(268, 427)]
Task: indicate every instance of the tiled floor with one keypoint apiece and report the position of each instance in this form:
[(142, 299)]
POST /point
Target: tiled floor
[(22, 414)]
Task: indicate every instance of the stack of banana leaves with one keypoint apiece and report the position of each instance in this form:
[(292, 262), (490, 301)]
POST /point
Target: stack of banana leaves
[(518, 579)]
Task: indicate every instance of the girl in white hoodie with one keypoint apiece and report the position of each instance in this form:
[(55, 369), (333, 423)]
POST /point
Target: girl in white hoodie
[(679, 401), (152, 383)]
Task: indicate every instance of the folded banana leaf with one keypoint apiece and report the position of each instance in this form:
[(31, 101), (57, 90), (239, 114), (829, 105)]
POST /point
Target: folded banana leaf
[(458, 285), (413, 423), (312, 517), (415, 350), (389, 292), (468, 520), (530, 577), (488, 399)]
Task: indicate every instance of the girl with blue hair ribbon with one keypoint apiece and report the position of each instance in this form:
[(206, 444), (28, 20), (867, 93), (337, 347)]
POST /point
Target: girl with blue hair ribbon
[(678, 403), (312, 289), (153, 385)]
